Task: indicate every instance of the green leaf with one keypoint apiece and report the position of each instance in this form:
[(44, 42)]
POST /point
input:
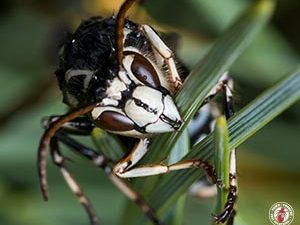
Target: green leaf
[(200, 81), (244, 124), (182, 147), (108, 144), (209, 70), (175, 215), (222, 154)]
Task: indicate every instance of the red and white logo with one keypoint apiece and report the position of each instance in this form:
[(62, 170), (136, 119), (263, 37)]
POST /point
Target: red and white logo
[(281, 213)]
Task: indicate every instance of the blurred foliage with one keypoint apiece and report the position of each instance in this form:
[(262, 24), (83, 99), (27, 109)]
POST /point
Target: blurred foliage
[(31, 34)]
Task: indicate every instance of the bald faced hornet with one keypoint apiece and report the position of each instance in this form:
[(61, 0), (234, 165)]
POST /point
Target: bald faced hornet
[(120, 76), (133, 98)]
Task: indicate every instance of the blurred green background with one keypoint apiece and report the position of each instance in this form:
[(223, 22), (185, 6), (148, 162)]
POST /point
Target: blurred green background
[(30, 35)]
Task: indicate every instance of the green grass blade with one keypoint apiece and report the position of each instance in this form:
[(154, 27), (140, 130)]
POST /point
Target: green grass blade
[(226, 50), (176, 213), (181, 149), (204, 76), (176, 216), (243, 125), (209, 70), (108, 144), (222, 154)]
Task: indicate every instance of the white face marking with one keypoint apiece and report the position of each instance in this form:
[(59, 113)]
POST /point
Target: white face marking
[(127, 61), (147, 107), (159, 127), (96, 112), (110, 102), (123, 77), (115, 88), (171, 110), (151, 108), (131, 133)]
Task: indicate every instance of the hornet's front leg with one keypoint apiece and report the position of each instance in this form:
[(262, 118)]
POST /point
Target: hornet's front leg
[(125, 168), (229, 210), (201, 126)]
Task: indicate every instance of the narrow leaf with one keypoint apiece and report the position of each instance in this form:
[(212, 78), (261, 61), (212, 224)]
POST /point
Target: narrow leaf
[(182, 147), (222, 152), (209, 70), (108, 144), (243, 125), (175, 215), (201, 80)]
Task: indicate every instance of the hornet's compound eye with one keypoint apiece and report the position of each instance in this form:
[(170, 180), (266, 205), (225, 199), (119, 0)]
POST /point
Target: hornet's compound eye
[(114, 121), (143, 70)]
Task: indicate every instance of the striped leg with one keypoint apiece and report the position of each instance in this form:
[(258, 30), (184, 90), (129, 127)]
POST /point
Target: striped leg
[(225, 84), (203, 122), (99, 161), (125, 167), (201, 126), (229, 211), (59, 160), (156, 169)]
